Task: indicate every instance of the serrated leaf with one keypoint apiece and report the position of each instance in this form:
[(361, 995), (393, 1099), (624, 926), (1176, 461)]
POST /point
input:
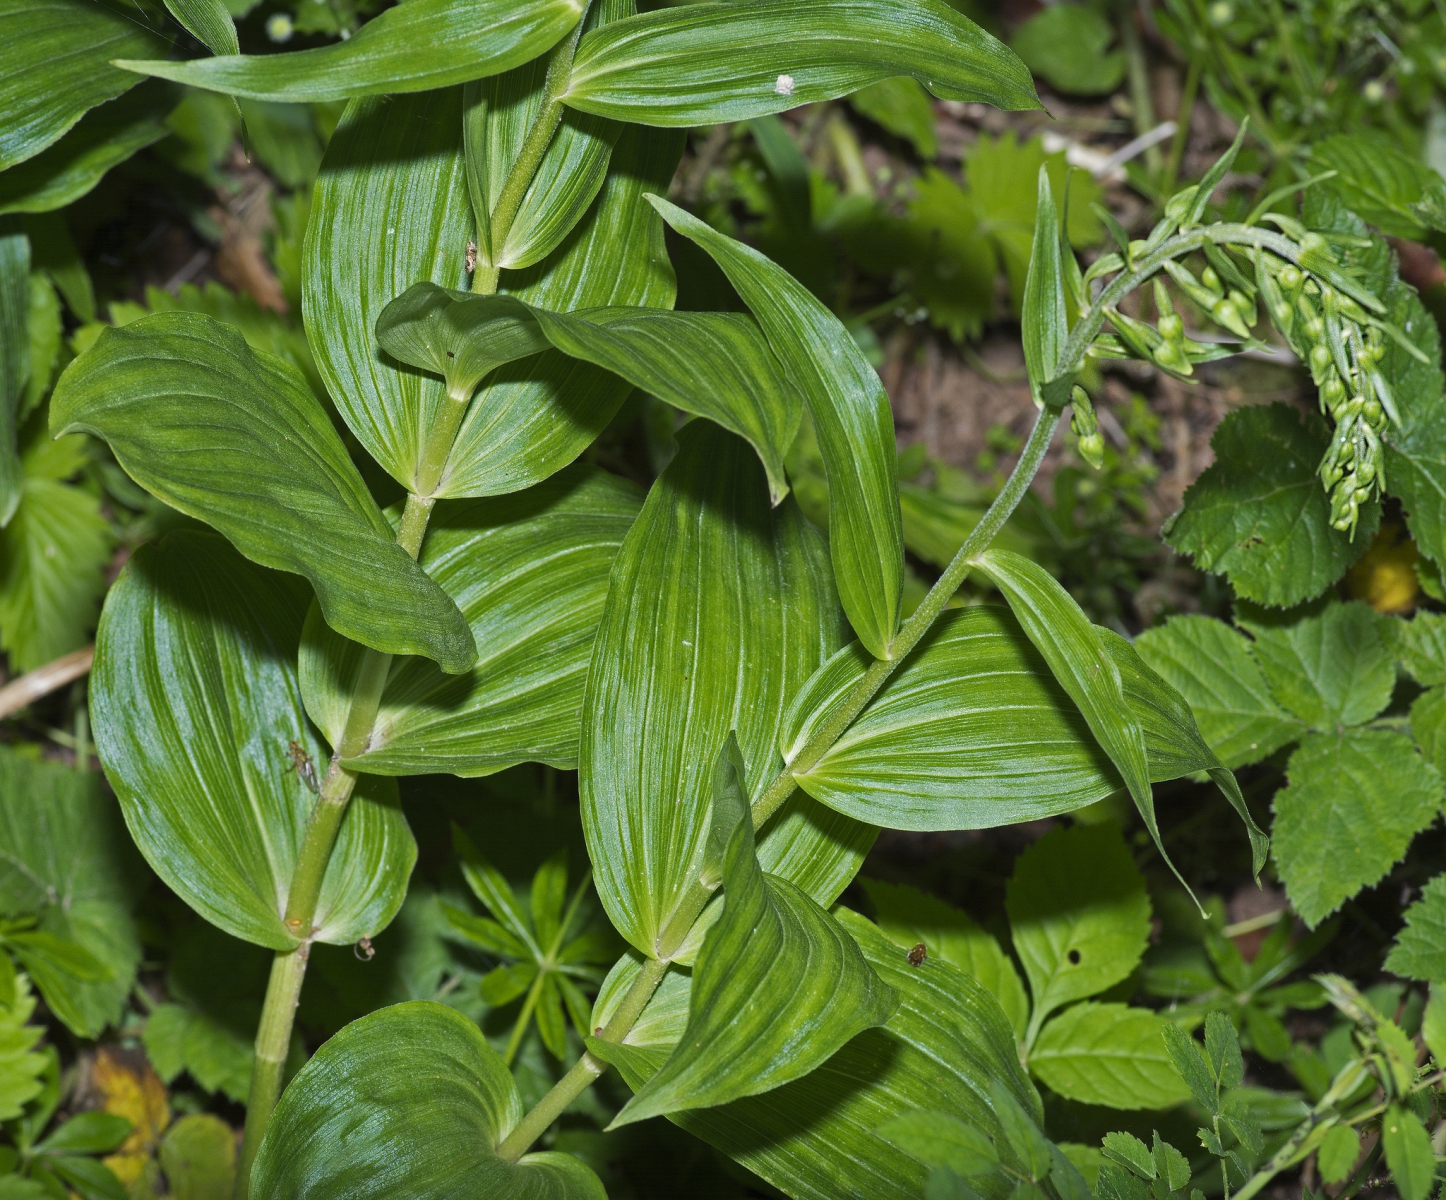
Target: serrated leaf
[(1408, 1152), (105, 137), (56, 64), (816, 1138), (420, 46), (910, 916), (1389, 189), (1337, 1154), (684, 656), (1433, 1024), (1069, 45), (851, 419), (1355, 800), (1108, 1054), (498, 113), (1192, 1066), (1419, 645), (1420, 949), (1078, 913), (1329, 669), (1416, 466), (1127, 1150), (178, 1038), (777, 988), (68, 861), (1222, 1048), (220, 817), (408, 1103), (237, 439), (529, 572), (682, 68), (714, 365), (1210, 665), (1260, 516), (938, 747), (52, 559)]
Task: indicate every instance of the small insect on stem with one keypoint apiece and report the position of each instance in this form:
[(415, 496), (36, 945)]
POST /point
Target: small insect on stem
[(305, 768), (471, 259), (918, 954)]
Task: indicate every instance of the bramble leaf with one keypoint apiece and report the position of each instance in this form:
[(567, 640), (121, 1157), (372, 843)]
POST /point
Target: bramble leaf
[(1210, 665), (1260, 517), (1420, 949), (1108, 1054), (1078, 913), (1355, 800)]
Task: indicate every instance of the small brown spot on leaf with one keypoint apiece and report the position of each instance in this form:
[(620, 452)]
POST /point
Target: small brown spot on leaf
[(918, 954)]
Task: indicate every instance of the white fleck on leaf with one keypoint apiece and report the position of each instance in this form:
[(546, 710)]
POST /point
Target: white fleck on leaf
[(784, 85)]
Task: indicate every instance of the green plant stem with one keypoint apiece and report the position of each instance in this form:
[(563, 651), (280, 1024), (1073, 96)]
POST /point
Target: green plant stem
[(1140, 101), (289, 968), (588, 1069), (529, 157), (273, 1040), (523, 1017)]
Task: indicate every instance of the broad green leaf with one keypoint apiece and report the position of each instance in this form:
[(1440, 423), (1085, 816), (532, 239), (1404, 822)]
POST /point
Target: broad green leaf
[(56, 63), (778, 987), (209, 22), (534, 417), (53, 555), (1419, 645), (1409, 1152), (196, 710), (1420, 949), (408, 1103), (685, 655), (390, 208), (1078, 913), (14, 355), (939, 1140), (529, 572), (817, 1137), (40, 951), (1394, 191), (910, 916), (1069, 46), (1338, 1152), (940, 746), (1060, 631), (904, 108), (702, 65), (714, 365), (105, 137), (1260, 517), (1108, 1054), (236, 438), (415, 47), (498, 113), (88, 1133), (1331, 669), (1355, 800), (1044, 324), (22, 1069), (851, 419), (68, 860), (1210, 665)]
